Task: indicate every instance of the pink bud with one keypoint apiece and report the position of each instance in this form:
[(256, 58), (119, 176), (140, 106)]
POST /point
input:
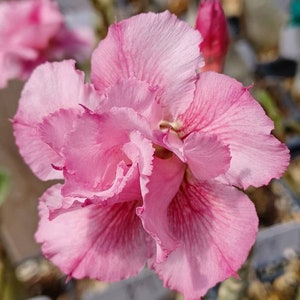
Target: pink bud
[(211, 23)]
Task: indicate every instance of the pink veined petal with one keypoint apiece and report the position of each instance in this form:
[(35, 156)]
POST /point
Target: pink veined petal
[(103, 165), (226, 109), (161, 188), (211, 23), (139, 151), (55, 204), (55, 126), (134, 94), (54, 86), (104, 243), (38, 155), (147, 47), (206, 156), (171, 141), (216, 226), (125, 187), (50, 88), (105, 140)]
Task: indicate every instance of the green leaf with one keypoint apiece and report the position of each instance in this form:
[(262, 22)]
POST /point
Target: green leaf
[(272, 110)]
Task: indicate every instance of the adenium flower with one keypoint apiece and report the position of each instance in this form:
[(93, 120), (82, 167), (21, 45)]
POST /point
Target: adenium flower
[(34, 31), (212, 24), (153, 157)]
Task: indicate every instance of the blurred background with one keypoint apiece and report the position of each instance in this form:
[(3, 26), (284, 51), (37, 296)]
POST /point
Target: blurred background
[(264, 52)]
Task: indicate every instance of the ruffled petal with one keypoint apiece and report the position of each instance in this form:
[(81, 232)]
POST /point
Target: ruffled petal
[(206, 156), (223, 107), (54, 128), (62, 87), (37, 154), (147, 47), (124, 187), (105, 243), (171, 141), (157, 198), (134, 94), (54, 86), (216, 226), (114, 145)]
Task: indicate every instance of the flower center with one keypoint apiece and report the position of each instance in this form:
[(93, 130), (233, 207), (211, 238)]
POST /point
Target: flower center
[(165, 125), (171, 139), (162, 152)]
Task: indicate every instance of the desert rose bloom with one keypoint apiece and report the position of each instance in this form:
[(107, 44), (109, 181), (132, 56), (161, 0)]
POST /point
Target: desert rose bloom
[(212, 24), (32, 32), (151, 154)]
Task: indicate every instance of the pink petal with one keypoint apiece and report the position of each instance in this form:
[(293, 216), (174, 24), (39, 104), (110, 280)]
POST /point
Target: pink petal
[(37, 22), (216, 226), (162, 187), (37, 154), (22, 41), (50, 88), (54, 86), (224, 108), (147, 47), (170, 141), (211, 23), (12, 66), (114, 145), (206, 156), (101, 143), (140, 150), (124, 187), (77, 43), (134, 94), (54, 128), (104, 243)]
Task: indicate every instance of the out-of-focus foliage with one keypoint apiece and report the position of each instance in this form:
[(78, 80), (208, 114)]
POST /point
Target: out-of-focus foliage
[(4, 185)]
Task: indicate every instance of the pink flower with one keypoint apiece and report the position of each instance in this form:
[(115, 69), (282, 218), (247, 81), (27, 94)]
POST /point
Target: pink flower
[(32, 32), (212, 24), (151, 154)]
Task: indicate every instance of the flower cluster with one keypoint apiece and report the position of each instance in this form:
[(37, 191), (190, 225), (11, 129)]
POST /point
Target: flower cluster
[(34, 31), (153, 155)]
